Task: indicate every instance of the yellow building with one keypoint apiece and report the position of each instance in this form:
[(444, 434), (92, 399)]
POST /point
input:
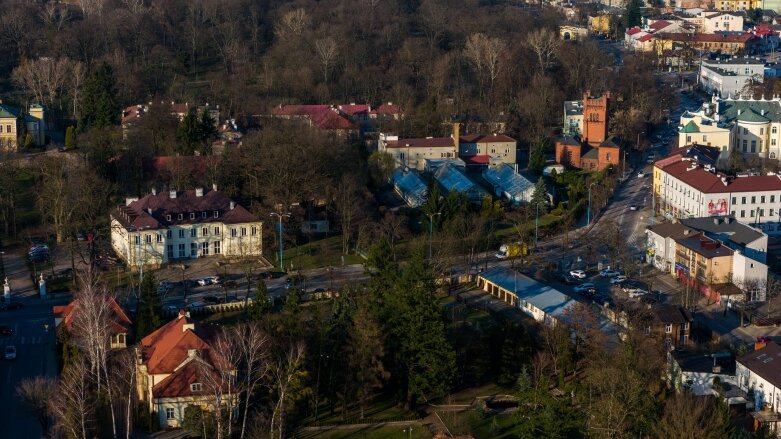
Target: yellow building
[(14, 125), (599, 23), (737, 5)]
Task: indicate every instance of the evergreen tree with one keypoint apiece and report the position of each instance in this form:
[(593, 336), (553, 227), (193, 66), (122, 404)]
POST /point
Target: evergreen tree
[(260, 306), (70, 138), (100, 106), (291, 301), (149, 307), (207, 128), (189, 132), (632, 14), (540, 196), (537, 159)]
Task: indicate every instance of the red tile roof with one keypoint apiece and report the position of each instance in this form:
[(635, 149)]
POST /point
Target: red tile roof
[(711, 183), (477, 160), (389, 109), (121, 323), (633, 30), (330, 119), (168, 347), (353, 109), (426, 142), (485, 138), (178, 384), (645, 38), (132, 113), (711, 38), (661, 24), (299, 110), (151, 211)]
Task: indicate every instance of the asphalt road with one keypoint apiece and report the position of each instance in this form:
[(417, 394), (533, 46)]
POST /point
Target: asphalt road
[(36, 355)]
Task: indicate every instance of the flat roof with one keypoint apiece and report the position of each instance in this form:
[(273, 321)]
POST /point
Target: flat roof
[(544, 297)]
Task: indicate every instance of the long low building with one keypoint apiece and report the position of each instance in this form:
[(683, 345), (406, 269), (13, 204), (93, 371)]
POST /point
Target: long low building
[(544, 303)]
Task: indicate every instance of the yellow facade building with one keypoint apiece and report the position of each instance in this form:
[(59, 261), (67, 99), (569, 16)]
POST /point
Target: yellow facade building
[(15, 126), (737, 5)]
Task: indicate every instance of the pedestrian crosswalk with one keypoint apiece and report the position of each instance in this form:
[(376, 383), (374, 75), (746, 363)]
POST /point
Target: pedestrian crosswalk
[(22, 341)]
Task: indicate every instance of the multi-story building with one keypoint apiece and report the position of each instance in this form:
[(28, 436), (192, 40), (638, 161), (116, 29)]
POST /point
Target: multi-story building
[(727, 43), (473, 149), (709, 22), (14, 124), (176, 225), (591, 148), (757, 375), (730, 77), (683, 187), (737, 5)]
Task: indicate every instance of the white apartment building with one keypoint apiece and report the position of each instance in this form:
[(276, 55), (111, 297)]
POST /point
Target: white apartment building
[(685, 188), (730, 77), (709, 22), (754, 124), (757, 374), (169, 226)]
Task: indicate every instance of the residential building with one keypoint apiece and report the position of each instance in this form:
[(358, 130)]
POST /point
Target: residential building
[(670, 323), (600, 23), (120, 323), (726, 43), (544, 303), (175, 225), (509, 184), (697, 371), (178, 366), (572, 32), (710, 22), (740, 237), (132, 114), (14, 124), (730, 77), (453, 178), (592, 150), (759, 375), (685, 188), (639, 40), (737, 5), (473, 149), (696, 130), (323, 117)]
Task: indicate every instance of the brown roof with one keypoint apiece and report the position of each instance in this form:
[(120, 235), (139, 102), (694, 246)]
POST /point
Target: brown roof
[(712, 183), (705, 246), (121, 322), (153, 210), (178, 384), (671, 230), (168, 347), (485, 138), (322, 116), (425, 142), (671, 314), (388, 108), (661, 24), (765, 362)]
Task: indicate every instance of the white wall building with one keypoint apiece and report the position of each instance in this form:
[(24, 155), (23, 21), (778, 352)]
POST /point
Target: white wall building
[(758, 374), (730, 77), (169, 226)]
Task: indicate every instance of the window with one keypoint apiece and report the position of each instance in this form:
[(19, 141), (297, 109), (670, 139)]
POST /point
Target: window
[(608, 157), (159, 237), (182, 251), (233, 233), (742, 200), (169, 234), (761, 130), (753, 146), (168, 218), (205, 231), (774, 130), (216, 247), (204, 249), (243, 231), (169, 414), (148, 239), (181, 216), (193, 249), (761, 213), (734, 200), (192, 215), (181, 233), (203, 215), (704, 138), (216, 230), (772, 198), (668, 328), (8, 129), (216, 214), (745, 131), (196, 387), (742, 213), (773, 143), (253, 230), (771, 212), (745, 145), (138, 239), (170, 251), (753, 200), (193, 232), (762, 199)]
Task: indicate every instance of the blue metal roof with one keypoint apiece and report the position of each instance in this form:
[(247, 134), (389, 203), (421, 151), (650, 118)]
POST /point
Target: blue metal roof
[(508, 183), (410, 187), (544, 297), (453, 178)]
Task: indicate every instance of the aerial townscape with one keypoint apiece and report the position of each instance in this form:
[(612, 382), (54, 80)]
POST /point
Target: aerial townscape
[(332, 219)]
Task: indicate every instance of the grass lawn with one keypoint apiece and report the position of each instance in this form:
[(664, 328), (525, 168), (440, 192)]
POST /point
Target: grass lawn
[(383, 408), (394, 432), (320, 253)]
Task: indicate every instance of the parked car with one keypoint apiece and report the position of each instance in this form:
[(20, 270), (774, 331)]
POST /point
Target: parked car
[(580, 289), (6, 330), (590, 292), (633, 207), (641, 174), (603, 300), (10, 352), (637, 293), (618, 279), (580, 274), (211, 300), (232, 299), (608, 272), (195, 305), (272, 274)]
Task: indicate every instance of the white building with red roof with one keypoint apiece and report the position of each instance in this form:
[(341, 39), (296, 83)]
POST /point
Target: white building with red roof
[(178, 366), (685, 187), (176, 225)]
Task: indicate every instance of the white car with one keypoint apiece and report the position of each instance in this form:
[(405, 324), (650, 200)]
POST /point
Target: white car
[(633, 207), (640, 174), (584, 287), (10, 352), (637, 293), (618, 279), (609, 273), (579, 274)]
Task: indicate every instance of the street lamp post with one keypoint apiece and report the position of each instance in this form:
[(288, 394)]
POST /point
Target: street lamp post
[(536, 224), (431, 230), (588, 212), (280, 216)]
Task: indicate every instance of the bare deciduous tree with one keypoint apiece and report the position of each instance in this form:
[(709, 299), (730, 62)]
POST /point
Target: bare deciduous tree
[(544, 43), (286, 373), (45, 78), (485, 53), (123, 380), (292, 24), (73, 403), (254, 361), (327, 49), (219, 379), (36, 393)]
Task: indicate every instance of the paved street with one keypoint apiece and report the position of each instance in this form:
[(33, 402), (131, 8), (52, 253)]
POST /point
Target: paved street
[(36, 355)]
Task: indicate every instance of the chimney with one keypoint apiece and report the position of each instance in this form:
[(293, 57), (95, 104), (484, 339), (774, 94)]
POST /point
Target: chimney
[(686, 232), (191, 353), (199, 192), (214, 187), (172, 194), (233, 204), (130, 200), (154, 191), (183, 313), (738, 111), (456, 135)]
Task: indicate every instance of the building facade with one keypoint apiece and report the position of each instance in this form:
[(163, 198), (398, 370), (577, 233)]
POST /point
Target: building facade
[(585, 143), (177, 225), (730, 77), (15, 126), (757, 375)]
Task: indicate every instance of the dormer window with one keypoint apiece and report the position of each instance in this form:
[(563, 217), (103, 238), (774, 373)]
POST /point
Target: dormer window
[(203, 215), (216, 214), (196, 387), (168, 218), (192, 215), (181, 216)]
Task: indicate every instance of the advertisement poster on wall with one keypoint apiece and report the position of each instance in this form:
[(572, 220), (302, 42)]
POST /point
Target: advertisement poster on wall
[(719, 207)]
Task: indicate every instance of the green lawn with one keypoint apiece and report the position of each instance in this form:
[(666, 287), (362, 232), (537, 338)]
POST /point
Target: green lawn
[(395, 432), (382, 409), (320, 253)]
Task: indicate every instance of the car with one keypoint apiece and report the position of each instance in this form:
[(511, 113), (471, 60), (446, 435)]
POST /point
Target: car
[(211, 280), (6, 330), (618, 279), (211, 299), (10, 352), (582, 288), (11, 306), (607, 272), (173, 308), (641, 174), (633, 207), (580, 274), (633, 294), (232, 299), (590, 292)]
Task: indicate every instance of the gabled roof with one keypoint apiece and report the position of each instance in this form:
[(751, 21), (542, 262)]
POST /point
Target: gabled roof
[(7, 111), (422, 142), (644, 38), (504, 178), (661, 24), (690, 127), (453, 178), (633, 30), (168, 347), (410, 186), (666, 313), (696, 176), (178, 384), (389, 109), (671, 230), (120, 322), (485, 138), (726, 226), (765, 362)]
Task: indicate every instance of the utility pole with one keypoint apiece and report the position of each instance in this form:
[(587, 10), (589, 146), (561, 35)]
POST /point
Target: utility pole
[(281, 254), (431, 230)]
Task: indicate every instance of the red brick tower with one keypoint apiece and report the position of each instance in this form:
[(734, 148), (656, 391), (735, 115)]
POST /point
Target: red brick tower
[(595, 121)]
